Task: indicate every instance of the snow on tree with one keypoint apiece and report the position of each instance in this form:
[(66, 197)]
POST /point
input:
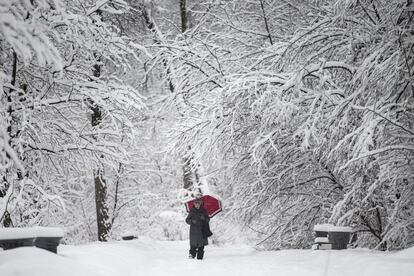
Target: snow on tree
[(299, 113), (49, 102), (309, 105)]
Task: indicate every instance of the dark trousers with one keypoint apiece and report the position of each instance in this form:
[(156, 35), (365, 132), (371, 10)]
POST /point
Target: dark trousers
[(197, 251)]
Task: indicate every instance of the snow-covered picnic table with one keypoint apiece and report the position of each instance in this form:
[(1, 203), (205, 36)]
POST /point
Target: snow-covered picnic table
[(329, 236)]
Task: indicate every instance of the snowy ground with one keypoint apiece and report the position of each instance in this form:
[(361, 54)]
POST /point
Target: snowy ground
[(148, 257)]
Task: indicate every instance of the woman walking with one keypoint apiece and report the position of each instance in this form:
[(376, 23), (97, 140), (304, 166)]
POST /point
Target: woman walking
[(199, 229)]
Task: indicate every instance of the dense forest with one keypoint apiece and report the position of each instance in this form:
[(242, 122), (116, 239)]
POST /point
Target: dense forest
[(293, 112)]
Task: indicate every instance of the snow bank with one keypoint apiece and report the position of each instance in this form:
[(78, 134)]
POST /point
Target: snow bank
[(149, 257), (32, 261)]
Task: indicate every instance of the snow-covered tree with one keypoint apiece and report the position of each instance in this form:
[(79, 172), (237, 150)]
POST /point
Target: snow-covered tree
[(299, 112), (310, 106), (50, 96)]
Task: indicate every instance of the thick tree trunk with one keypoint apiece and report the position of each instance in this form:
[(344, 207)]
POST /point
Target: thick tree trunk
[(102, 218)]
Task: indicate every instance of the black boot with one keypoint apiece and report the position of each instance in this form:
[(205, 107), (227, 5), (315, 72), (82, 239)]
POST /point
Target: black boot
[(200, 253), (193, 251)]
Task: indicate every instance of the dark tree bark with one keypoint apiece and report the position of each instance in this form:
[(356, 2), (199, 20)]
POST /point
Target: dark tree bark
[(183, 13), (102, 218)]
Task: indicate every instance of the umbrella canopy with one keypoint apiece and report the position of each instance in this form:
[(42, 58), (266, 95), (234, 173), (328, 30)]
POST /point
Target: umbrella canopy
[(210, 203)]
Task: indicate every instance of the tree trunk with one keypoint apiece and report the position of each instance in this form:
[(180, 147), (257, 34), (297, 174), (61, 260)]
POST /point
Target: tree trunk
[(188, 174), (5, 218), (183, 13), (191, 177), (102, 218)]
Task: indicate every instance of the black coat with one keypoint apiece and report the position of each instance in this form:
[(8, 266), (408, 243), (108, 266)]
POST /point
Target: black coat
[(197, 219)]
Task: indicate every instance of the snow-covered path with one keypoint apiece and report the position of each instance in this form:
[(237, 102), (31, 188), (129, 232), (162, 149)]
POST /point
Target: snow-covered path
[(149, 257)]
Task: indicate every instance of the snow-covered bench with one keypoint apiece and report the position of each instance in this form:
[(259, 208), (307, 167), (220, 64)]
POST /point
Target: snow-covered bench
[(42, 237), (331, 237), (129, 235)]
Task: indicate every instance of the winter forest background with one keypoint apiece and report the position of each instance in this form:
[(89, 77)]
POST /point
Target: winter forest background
[(112, 112)]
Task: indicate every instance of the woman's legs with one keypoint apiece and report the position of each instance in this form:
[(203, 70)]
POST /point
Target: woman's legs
[(197, 251)]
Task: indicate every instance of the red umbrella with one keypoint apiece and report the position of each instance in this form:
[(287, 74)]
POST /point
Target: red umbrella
[(211, 204)]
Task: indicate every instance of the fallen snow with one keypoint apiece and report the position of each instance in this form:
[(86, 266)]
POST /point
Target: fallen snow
[(145, 256), (322, 227), (30, 232), (16, 233), (340, 229)]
